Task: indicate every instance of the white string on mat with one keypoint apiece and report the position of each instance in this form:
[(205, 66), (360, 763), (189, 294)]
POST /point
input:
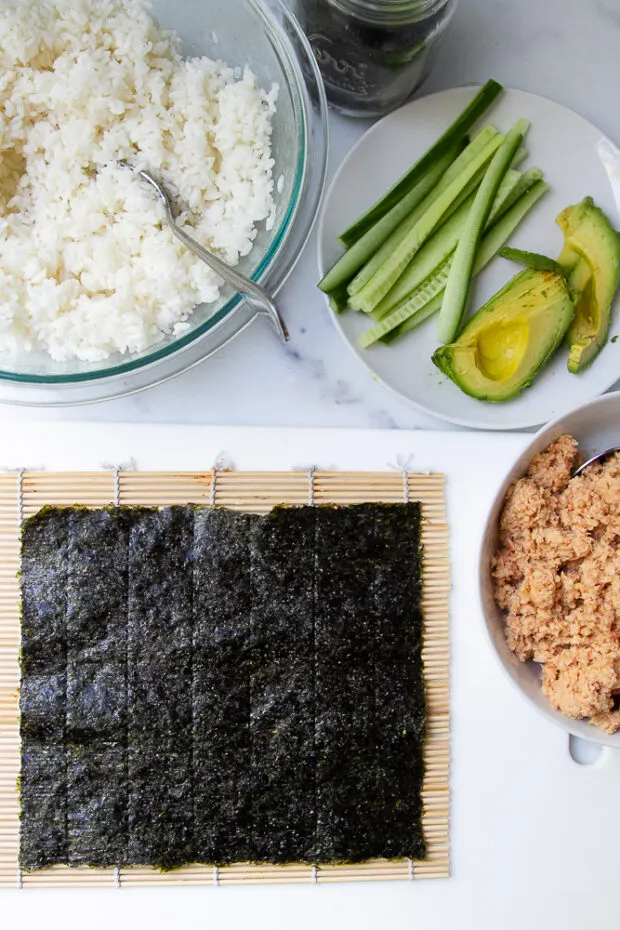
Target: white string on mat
[(20, 517), (117, 486), (405, 485), (20, 495), (216, 875), (117, 876), (315, 875), (213, 487), (411, 872), (311, 472)]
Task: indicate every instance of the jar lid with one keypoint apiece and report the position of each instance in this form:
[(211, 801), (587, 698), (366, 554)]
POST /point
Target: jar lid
[(390, 12)]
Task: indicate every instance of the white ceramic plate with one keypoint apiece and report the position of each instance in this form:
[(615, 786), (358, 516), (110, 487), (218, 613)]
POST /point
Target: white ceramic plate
[(567, 148)]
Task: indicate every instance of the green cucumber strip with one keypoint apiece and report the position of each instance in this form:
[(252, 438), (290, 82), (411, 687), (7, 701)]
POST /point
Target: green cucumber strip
[(511, 174), (453, 134), (432, 307), (486, 142), (348, 264), (398, 259), (441, 244), (457, 288), (473, 185), (490, 245), (526, 181), (339, 299), (432, 254), (500, 232), (510, 182), (415, 196), (430, 288), (477, 145), (532, 260), (519, 157)]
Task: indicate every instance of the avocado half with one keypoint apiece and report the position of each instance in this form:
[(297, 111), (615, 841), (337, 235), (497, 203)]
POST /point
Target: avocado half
[(591, 259), (507, 342)]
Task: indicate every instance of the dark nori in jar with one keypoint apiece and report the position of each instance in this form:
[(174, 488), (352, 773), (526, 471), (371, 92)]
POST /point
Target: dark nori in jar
[(372, 61)]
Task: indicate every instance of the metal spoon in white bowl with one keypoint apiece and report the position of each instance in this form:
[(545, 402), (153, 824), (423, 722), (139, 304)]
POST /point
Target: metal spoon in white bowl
[(239, 281), (595, 458)]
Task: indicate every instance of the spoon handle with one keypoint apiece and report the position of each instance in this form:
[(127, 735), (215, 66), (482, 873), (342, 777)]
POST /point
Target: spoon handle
[(238, 281), (600, 457)]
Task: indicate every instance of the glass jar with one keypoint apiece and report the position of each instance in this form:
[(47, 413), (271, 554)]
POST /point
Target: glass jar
[(373, 54)]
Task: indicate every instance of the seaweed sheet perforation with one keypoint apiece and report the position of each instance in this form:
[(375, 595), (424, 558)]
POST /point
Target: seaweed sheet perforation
[(43, 720), (283, 765), (97, 687), (160, 638), (221, 698)]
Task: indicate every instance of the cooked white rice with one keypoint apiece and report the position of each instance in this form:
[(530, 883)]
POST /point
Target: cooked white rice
[(87, 265)]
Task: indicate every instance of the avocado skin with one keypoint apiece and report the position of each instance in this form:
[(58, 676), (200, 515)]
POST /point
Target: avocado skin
[(591, 258), (542, 287)]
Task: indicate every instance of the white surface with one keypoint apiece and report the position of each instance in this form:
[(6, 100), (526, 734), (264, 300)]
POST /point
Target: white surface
[(566, 50), (596, 427), (534, 835), (573, 172)]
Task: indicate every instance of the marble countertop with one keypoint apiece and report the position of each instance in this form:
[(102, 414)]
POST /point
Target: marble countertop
[(566, 50)]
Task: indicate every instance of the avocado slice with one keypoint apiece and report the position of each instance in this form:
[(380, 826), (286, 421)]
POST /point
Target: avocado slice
[(507, 342), (591, 258)]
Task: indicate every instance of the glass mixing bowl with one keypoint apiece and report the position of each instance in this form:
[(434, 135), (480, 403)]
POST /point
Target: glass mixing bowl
[(265, 35)]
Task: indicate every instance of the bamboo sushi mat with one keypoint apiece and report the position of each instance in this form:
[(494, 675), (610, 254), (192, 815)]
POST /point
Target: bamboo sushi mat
[(23, 494)]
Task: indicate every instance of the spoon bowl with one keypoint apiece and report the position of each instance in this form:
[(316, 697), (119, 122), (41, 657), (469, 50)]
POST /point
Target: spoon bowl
[(239, 281), (596, 458)]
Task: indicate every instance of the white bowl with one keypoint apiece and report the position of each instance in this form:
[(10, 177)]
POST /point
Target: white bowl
[(596, 427)]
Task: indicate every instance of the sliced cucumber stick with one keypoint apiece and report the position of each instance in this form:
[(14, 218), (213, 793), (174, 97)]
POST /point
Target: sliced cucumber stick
[(441, 244), (489, 247), (430, 288), (400, 321), (485, 143), (453, 134), (457, 288), (355, 257), (338, 299), (525, 182), (396, 262), (432, 254)]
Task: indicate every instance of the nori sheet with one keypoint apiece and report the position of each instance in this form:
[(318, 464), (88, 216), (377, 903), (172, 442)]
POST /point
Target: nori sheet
[(97, 686), (43, 694), (221, 686), (283, 765), (238, 687), (399, 683), (43, 797), (160, 688), (97, 803), (345, 621), (45, 540)]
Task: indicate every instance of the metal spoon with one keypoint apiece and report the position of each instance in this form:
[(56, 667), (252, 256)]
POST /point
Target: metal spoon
[(239, 281), (595, 458)]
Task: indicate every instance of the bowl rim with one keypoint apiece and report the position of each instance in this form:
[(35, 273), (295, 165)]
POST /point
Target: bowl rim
[(581, 729), (269, 261)]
